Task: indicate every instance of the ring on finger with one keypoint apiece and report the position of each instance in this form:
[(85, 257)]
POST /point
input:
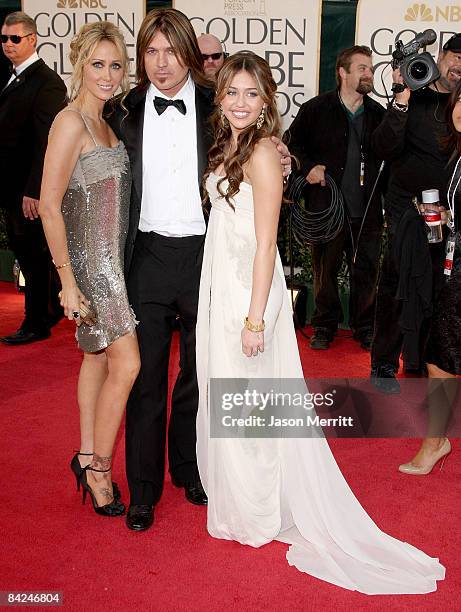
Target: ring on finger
[(76, 314)]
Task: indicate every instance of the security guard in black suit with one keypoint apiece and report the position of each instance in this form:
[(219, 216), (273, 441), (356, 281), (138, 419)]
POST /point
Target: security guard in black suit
[(29, 101)]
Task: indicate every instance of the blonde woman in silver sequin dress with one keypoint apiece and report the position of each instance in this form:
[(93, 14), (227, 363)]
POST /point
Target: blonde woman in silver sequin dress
[(84, 207)]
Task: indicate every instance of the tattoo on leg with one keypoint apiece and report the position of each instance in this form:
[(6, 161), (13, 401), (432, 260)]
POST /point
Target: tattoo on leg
[(107, 493), (101, 463)]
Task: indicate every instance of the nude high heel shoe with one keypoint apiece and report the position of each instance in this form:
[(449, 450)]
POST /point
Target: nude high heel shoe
[(422, 470)]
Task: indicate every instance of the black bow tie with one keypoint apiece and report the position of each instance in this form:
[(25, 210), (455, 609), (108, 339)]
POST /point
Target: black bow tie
[(161, 104)]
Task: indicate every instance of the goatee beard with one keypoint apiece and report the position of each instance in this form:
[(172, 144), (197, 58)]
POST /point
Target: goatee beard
[(364, 87)]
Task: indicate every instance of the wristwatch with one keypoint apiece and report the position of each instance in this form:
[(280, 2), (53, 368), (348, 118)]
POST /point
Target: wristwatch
[(400, 107)]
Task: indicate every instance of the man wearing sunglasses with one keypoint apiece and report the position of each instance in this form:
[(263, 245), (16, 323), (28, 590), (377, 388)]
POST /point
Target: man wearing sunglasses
[(212, 53), (29, 101)]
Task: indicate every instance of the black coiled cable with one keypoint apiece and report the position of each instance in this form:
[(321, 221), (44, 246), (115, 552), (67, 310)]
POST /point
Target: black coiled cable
[(316, 227), (312, 227)]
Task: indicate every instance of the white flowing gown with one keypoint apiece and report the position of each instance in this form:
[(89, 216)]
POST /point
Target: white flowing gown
[(289, 490)]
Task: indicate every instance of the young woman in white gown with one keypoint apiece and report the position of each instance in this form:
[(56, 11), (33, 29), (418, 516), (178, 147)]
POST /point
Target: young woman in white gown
[(261, 490)]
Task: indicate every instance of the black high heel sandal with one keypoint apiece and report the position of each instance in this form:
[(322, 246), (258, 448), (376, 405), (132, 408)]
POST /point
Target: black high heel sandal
[(76, 467), (77, 470), (113, 508)]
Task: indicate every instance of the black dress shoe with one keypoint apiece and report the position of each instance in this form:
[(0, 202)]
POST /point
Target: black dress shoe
[(194, 491), (24, 337), (321, 339), (139, 517), (383, 378)]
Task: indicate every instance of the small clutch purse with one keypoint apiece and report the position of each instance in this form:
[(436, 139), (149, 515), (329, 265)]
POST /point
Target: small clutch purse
[(87, 315)]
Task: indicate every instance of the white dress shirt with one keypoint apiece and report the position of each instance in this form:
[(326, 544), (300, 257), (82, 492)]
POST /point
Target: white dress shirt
[(171, 203), (18, 69)]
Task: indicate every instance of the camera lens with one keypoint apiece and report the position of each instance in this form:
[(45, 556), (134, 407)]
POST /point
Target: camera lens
[(418, 70)]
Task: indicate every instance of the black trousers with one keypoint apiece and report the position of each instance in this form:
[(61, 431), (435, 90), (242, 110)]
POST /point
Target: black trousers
[(163, 282), (28, 243), (363, 275), (388, 338)]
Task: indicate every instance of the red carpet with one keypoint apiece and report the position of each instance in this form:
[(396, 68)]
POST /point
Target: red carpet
[(51, 543)]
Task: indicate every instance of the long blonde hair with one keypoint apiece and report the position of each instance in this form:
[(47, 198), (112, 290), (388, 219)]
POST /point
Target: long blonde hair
[(82, 48), (260, 70)]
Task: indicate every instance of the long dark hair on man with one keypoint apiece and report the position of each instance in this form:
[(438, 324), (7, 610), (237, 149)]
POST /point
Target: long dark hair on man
[(453, 140), (177, 29), (260, 70)]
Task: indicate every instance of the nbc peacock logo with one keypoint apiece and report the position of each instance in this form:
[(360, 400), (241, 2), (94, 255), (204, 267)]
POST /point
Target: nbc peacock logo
[(67, 4), (419, 12)]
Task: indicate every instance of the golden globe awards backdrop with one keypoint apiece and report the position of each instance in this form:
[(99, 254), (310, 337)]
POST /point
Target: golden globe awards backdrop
[(58, 20), (381, 22), (284, 32)]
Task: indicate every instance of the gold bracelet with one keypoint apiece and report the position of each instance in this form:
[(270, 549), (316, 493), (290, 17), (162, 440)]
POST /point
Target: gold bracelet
[(64, 265), (254, 327)]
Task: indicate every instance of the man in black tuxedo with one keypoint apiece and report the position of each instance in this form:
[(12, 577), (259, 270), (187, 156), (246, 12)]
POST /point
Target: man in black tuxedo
[(167, 139), (29, 101)]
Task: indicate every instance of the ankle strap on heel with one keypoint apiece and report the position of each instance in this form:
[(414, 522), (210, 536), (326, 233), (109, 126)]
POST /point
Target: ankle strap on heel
[(83, 454), (88, 467)]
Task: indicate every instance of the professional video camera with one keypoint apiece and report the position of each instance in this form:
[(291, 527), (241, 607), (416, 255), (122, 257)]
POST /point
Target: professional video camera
[(417, 69)]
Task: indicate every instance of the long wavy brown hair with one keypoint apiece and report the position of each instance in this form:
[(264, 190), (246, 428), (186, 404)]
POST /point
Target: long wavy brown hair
[(453, 140), (234, 163), (177, 29)]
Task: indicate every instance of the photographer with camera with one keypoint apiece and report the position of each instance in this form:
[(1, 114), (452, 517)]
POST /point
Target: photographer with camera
[(443, 349), (410, 139)]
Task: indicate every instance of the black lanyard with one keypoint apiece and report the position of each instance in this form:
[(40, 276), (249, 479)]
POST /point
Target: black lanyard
[(362, 155), (359, 139)]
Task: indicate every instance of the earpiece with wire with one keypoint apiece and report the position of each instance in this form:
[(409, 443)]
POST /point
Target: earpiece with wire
[(223, 45)]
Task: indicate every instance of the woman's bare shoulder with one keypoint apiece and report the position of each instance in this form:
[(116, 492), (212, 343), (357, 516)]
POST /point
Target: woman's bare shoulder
[(68, 122), (266, 147), (264, 157)]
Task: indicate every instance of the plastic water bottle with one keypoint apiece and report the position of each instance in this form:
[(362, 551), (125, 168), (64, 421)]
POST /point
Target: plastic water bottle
[(432, 216)]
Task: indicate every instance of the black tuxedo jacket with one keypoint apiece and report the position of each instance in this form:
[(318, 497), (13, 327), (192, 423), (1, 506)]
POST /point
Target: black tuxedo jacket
[(27, 109), (129, 129)]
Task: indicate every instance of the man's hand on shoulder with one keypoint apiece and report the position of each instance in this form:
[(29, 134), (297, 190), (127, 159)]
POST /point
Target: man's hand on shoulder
[(30, 208), (285, 153)]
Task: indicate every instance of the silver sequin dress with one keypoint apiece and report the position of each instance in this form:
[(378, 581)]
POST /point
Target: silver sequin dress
[(96, 212)]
